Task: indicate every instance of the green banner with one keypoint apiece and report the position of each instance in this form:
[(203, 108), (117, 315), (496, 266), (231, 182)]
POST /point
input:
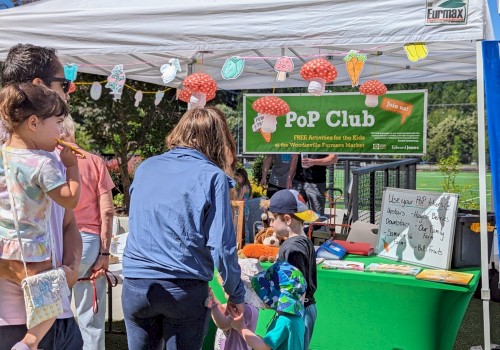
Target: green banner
[(341, 123)]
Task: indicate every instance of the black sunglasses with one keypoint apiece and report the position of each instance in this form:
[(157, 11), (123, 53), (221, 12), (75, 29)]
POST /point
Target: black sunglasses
[(65, 82)]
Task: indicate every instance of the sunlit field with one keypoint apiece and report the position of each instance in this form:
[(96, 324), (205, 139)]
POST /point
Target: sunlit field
[(433, 180)]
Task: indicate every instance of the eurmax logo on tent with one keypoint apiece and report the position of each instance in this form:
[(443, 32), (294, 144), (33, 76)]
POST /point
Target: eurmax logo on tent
[(446, 12)]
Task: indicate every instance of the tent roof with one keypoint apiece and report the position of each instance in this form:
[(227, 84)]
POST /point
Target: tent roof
[(143, 35)]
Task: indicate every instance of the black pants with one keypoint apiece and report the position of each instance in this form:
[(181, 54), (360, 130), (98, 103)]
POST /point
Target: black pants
[(272, 189)]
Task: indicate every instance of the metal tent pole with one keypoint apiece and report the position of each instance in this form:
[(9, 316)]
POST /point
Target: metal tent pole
[(481, 142)]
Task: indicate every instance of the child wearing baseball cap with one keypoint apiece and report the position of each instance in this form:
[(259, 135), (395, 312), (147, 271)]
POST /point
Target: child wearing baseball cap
[(287, 213), (281, 287)]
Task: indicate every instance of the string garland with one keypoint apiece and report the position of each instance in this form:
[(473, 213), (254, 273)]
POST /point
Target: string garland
[(232, 69), (126, 85)]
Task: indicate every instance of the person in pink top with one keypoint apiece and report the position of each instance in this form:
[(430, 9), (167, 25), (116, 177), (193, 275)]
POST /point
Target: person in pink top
[(94, 217)]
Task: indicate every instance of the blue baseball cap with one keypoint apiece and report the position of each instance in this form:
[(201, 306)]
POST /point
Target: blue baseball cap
[(291, 202)]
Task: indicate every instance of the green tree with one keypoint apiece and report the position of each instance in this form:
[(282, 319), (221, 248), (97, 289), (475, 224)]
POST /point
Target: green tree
[(122, 128), (453, 132), (449, 167), (235, 123)]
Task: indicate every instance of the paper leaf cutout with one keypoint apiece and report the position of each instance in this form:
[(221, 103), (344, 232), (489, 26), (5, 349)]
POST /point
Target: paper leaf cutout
[(169, 70), (138, 98), (158, 97), (354, 63), (96, 90), (416, 51), (70, 71), (232, 68), (116, 80)]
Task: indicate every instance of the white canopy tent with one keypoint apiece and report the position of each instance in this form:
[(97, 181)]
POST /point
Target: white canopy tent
[(142, 35), (202, 34)]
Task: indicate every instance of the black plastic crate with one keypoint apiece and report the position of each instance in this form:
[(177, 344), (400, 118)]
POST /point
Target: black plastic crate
[(467, 243)]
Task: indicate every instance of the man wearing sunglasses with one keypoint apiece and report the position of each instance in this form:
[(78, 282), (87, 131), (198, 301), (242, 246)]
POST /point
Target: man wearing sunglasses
[(39, 65), (65, 83)]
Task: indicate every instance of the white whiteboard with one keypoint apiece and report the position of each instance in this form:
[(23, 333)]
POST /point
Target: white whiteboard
[(417, 227)]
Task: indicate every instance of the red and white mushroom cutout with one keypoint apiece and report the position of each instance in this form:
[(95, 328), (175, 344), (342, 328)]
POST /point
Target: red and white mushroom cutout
[(185, 96), (268, 109), (372, 89), (283, 65), (203, 88), (318, 72)]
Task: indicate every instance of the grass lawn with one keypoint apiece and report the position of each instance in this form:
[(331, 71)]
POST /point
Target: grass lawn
[(432, 181)]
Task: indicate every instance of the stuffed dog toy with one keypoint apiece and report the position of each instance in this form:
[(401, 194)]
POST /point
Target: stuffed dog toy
[(265, 248)]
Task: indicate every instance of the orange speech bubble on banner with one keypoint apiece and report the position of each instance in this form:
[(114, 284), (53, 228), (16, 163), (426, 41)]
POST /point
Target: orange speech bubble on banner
[(400, 107)]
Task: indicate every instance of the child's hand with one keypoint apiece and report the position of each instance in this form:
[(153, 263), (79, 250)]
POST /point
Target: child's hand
[(68, 158), (238, 323), (210, 301)]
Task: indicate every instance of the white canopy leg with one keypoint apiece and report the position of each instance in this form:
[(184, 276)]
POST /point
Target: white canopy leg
[(485, 288)]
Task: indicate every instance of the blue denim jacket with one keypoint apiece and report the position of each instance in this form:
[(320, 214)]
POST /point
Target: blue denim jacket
[(181, 223)]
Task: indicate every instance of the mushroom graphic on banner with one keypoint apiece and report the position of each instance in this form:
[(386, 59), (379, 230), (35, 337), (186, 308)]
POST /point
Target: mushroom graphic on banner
[(202, 87), (318, 72), (116, 81), (283, 65), (169, 70), (268, 109), (372, 89)]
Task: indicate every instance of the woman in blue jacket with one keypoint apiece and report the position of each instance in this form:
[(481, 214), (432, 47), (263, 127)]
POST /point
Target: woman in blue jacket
[(180, 229)]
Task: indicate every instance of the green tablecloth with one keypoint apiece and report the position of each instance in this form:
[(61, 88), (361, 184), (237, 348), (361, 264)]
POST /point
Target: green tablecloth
[(366, 310)]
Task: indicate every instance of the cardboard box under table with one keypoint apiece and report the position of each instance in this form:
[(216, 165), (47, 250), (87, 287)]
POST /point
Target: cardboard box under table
[(367, 310)]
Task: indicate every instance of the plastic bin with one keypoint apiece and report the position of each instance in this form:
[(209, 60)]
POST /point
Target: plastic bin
[(467, 243)]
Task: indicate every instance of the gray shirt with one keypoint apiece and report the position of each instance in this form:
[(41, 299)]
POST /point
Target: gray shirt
[(280, 169)]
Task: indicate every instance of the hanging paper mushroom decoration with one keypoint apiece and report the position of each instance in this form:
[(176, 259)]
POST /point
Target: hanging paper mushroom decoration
[(318, 72), (185, 95), (283, 65), (202, 87), (268, 109), (372, 89)]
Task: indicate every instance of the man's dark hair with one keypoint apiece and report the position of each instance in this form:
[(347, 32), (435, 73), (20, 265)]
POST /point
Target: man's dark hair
[(26, 62)]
